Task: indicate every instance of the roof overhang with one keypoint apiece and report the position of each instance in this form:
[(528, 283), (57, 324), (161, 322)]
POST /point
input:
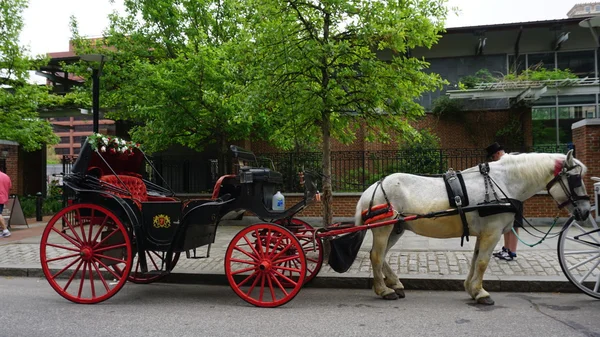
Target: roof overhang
[(528, 91)]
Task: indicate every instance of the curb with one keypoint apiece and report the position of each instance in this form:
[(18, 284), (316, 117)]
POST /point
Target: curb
[(412, 282)]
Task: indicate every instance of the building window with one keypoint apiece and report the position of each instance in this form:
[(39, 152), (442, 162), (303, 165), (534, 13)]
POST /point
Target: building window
[(581, 63), (64, 140), (61, 151), (542, 60), (516, 66), (597, 8), (587, 9)]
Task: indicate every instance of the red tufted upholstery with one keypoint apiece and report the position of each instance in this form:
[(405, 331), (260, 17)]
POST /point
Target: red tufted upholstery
[(135, 185)]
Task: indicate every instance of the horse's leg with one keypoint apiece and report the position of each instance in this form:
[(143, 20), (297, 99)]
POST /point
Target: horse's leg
[(485, 245), (467, 283), (391, 278), (378, 252)]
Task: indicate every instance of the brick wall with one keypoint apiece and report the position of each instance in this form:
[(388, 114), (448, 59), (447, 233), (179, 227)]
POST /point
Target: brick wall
[(478, 131), (12, 165), (586, 138)]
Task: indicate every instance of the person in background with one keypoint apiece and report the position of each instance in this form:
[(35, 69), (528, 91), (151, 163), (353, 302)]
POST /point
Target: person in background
[(509, 251), (5, 186)]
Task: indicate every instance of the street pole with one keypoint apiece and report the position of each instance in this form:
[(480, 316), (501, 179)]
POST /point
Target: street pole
[(96, 98)]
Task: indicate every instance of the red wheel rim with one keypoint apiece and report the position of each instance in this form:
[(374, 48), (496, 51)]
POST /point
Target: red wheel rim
[(89, 260), (257, 265), (155, 261), (313, 250)]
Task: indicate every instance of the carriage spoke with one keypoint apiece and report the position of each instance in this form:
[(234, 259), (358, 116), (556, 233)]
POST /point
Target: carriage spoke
[(569, 238), (271, 290), (63, 247), (81, 227), (105, 248), (584, 231), (101, 278), (243, 271), (67, 237), (116, 230), (109, 258), (119, 271), (248, 254), (582, 279), (251, 247), (92, 280), (577, 252), (279, 285), (99, 231), (63, 257), (82, 281), (65, 268), (72, 228)]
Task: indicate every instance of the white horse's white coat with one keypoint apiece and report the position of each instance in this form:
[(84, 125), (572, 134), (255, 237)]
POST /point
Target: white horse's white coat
[(519, 176)]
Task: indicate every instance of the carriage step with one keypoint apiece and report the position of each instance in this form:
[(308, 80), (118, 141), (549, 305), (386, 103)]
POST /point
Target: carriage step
[(190, 256)]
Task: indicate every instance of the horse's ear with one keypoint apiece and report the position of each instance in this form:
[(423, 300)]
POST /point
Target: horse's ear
[(569, 160)]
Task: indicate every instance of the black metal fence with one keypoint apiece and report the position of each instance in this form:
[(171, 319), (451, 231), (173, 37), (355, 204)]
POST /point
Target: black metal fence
[(352, 171)]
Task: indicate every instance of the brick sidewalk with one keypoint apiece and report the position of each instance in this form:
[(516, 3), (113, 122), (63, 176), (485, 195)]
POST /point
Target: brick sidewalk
[(434, 263)]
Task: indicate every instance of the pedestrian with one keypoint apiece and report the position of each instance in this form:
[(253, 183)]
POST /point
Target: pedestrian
[(5, 186), (509, 251)]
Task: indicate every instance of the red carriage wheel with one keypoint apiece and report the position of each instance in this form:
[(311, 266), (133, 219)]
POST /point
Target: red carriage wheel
[(155, 261), (88, 259), (313, 249), (257, 264)]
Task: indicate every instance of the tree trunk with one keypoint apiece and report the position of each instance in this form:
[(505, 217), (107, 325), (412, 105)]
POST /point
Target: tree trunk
[(327, 198)]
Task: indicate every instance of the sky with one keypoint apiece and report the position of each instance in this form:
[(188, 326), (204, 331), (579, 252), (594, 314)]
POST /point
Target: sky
[(47, 21)]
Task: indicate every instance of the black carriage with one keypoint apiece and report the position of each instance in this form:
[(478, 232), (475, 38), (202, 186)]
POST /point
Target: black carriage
[(121, 226)]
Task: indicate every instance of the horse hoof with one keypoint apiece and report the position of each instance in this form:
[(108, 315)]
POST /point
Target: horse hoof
[(391, 296), (400, 293), (485, 300)]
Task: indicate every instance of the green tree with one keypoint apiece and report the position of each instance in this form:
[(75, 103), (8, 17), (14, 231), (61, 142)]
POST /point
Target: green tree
[(20, 101), (174, 73), (319, 71)]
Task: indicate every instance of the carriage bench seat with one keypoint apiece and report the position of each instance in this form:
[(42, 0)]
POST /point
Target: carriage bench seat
[(135, 185)]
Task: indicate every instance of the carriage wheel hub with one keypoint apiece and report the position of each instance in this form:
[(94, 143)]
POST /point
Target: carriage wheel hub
[(86, 253), (264, 265)]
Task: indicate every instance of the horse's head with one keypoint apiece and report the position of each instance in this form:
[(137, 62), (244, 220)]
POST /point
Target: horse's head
[(567, 187)]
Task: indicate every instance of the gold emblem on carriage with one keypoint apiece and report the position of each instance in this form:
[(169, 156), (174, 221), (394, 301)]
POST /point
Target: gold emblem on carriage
[(161, 221)]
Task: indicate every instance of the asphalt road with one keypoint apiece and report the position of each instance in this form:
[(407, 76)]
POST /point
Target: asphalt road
[(29, 307)]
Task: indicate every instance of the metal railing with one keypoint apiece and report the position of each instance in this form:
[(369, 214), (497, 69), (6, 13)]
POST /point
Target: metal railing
[(352, 171)]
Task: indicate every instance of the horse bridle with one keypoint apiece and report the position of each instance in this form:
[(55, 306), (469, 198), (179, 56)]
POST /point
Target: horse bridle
[(574, 181)]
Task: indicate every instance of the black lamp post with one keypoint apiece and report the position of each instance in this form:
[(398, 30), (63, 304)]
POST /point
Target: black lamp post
[(96, 73)]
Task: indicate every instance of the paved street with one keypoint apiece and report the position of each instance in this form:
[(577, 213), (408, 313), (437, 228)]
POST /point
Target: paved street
[(30, 308)]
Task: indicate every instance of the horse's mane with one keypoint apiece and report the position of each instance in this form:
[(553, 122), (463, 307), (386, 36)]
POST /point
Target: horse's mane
[(534, 166)]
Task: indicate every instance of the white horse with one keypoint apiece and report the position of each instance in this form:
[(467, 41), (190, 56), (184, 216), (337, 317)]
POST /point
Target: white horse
[(518, 176)]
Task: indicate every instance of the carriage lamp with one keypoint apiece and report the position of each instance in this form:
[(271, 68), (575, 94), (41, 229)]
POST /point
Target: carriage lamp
[(4, 153)]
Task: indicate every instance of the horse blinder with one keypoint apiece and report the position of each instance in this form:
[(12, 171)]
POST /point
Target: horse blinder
[(573, 181)]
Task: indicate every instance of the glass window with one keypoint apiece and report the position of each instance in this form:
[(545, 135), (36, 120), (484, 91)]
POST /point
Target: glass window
[(516, 65), (65, 139), (597, 8), (544, 60), (543, 126), (587, 9), (580, 62)]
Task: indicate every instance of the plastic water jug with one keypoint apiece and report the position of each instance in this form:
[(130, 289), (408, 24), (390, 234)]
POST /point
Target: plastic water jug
[(278, 202)]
